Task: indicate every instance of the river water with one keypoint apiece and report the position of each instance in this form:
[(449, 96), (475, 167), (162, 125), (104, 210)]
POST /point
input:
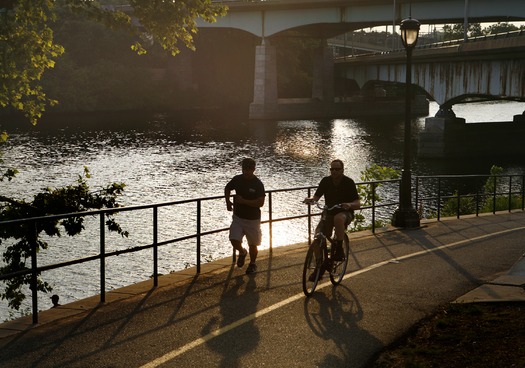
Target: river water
[(162, 160)]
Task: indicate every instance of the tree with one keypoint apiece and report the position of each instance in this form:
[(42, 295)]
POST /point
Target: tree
[(457, 31), (69, 199), (28, 48), (500, 28), (26, 51)]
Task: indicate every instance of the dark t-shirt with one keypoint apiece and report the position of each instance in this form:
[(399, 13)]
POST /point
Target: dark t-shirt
[(248, 189), (345, 192)]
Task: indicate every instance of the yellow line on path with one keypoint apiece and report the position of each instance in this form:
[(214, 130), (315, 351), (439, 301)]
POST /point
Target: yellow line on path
[(195, 343)]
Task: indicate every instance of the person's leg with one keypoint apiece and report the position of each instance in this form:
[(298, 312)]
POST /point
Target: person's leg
[(340, 221), (340, 225), (252, 230), (253, 253), (236, 235)]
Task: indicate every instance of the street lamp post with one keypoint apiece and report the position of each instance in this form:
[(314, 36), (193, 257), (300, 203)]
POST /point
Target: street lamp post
[(406, 216)]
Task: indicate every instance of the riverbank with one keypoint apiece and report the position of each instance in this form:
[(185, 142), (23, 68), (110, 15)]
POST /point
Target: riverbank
[(286, 109), (354, 107)]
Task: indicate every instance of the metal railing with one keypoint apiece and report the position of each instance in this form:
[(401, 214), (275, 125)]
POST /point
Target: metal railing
[(469, 194), (434, 198)]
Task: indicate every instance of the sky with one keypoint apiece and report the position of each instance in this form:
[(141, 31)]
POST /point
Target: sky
[(428, 28)]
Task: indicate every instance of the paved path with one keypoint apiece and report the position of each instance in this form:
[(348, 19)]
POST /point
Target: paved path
[(224, 318)]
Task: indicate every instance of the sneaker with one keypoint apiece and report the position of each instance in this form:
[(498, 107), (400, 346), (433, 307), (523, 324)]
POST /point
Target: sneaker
[(252, 267), (338, 253), (312, 276), (242, 258)]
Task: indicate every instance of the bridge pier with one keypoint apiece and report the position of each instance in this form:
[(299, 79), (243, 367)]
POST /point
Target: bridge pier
[(323, 85), (438, 130), (266, 105), (446, 135)]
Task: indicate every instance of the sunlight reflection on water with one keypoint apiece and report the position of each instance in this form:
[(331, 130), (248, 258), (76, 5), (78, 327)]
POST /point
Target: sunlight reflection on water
[(169, 161)]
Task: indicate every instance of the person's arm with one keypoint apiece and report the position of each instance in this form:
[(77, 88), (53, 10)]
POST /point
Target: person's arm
[(310, 200), (317, 195), (354, 205), (227, 197), (257, 202)]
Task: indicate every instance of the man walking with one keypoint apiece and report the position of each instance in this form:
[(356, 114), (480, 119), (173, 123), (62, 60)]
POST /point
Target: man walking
[(247, 202)]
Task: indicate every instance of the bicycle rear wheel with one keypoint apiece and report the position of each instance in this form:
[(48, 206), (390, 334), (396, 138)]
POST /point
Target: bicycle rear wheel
[(311, 273), (339, 267)]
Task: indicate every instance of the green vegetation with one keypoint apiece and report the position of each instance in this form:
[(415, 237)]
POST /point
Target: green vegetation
[(32, 39), (456, 31), (493, 197), (20, 239), (28, 47), (370, 193)]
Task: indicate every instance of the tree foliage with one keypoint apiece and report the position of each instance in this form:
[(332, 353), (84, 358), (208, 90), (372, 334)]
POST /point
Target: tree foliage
[(501, 27), (369, 194), (26, 51), (457, 31), (28, 47), (51, 201)]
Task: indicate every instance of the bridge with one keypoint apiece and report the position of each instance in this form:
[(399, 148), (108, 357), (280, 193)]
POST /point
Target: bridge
[(469, 69), (492, 66)]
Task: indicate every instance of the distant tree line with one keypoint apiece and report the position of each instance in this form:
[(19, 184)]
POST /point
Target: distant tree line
[(448, 32), (456, 31)]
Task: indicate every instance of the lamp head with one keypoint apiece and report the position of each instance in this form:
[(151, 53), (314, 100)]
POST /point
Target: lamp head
[(409, 32)]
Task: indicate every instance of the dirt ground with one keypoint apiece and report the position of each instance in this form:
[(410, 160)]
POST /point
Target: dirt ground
[(484, 335)]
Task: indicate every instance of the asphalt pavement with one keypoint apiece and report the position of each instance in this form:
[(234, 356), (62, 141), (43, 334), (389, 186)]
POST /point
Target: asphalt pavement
[(224, 318)]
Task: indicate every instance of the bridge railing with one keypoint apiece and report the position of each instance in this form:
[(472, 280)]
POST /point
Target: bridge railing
[(434, 45), (431, 192)]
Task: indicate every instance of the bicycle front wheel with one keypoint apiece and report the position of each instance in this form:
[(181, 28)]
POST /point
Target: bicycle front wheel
[(311, 273), (339, 267)]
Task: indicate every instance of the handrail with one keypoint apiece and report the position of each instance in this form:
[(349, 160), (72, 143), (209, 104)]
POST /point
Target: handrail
[(434, 199)]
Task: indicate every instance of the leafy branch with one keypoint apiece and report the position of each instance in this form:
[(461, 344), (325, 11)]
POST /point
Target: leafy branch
[(69, 199)]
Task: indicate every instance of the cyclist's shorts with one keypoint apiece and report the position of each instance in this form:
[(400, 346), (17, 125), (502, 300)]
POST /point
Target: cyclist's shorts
[(250, 228), (329, 224)]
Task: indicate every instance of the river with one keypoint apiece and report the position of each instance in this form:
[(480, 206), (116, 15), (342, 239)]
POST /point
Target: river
[(162, 160)]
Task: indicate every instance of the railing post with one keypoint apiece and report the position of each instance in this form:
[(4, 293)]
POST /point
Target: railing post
[(417, 190), (155, 246), (199, 236), (522, 192), (34, 273), (510, 193), (494, 196), (374, 207), (439, 198), (309, 219), (270, 217), (419, 206), (459, 204), (102, 259), (477, 197)]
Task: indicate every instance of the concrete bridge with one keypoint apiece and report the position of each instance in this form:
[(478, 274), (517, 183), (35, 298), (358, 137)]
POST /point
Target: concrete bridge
[(325, 19), (449, 72)]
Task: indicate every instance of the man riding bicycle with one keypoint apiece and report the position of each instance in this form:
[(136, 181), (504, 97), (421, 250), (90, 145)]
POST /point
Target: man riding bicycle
[(337, 189)]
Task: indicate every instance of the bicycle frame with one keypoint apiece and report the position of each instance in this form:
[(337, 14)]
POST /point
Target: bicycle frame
[(319, 257)]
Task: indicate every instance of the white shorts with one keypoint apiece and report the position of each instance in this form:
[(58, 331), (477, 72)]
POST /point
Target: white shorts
[(250, 228)]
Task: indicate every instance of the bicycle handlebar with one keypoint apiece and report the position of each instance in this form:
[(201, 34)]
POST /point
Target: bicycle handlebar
[(321, 207)]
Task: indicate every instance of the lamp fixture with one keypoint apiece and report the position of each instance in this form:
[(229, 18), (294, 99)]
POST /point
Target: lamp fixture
[(409, 32)]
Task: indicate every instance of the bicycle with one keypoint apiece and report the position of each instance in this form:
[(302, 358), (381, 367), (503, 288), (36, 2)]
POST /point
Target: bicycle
[(319, 256)]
